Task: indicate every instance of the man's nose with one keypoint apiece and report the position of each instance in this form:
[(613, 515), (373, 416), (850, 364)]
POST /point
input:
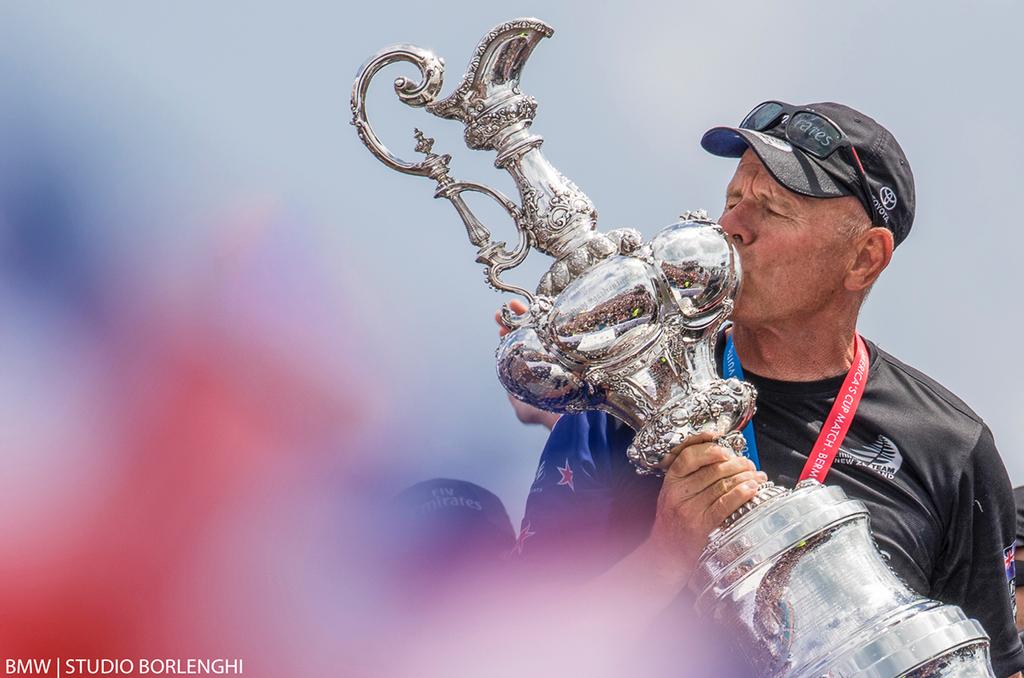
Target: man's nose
[(736, 223)]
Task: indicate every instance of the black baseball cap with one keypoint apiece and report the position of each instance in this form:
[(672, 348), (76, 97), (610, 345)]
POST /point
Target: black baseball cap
[(887, 169)]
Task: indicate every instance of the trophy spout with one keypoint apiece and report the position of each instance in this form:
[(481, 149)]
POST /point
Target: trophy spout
[(488, 100)]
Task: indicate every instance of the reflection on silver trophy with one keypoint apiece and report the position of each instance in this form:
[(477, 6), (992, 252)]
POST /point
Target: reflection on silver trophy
[(630, 328)]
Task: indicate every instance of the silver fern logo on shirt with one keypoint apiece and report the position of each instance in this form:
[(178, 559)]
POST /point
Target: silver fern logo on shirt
[(537, 486), (882, 456)]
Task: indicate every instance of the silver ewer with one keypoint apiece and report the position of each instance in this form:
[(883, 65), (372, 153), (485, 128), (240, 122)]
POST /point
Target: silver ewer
[(630, 328)]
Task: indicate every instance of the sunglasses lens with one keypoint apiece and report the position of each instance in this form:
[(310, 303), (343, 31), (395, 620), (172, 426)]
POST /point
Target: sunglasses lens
[(813, 134), (762, 116)]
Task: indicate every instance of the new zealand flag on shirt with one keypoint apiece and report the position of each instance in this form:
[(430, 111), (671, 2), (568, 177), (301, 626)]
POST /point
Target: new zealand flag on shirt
[(580, 482)]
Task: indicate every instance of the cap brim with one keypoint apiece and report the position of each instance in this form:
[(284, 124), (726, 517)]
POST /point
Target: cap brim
[(790, 166)]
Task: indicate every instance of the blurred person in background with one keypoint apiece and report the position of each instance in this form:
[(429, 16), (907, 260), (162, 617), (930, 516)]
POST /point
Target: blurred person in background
[(442, 531)]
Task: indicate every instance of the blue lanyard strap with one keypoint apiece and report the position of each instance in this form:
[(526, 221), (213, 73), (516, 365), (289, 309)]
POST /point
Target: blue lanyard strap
[(731, 368)]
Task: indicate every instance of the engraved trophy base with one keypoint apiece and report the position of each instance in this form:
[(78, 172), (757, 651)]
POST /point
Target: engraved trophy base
[(801, 584)]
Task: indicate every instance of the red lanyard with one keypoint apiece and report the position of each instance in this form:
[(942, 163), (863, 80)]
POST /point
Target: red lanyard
[(833, 431)]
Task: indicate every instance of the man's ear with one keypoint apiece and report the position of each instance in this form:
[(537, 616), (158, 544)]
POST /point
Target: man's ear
[(874, 251)]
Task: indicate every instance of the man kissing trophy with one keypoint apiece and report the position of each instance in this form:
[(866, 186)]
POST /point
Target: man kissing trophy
[(630, 328)]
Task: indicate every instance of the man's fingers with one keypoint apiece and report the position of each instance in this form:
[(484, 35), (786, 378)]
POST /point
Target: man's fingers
[(724, 486), (709, 475), (502, 327), (517, 307), (694, 457), (693, 440), (726, 504)]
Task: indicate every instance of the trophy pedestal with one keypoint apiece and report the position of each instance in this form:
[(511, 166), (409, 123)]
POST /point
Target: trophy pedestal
[(801, 584)]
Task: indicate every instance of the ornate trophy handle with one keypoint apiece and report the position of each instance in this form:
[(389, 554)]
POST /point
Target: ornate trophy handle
[(493, 255), (431, 69)]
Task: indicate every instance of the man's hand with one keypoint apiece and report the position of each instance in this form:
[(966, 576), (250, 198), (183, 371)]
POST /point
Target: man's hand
[(516, 307), (528, 414), (703, 485)]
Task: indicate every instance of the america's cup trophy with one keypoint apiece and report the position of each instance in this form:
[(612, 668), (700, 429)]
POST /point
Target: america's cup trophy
[(629, 327)]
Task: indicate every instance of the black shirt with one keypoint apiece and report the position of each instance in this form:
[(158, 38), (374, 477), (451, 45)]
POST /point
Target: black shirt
[(926, 466)]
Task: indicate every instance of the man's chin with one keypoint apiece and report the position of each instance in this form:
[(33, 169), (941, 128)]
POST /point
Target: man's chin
[(740, 313)]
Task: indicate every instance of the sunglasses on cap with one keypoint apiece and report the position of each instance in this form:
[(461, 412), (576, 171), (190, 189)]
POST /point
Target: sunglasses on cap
[(812, 133)]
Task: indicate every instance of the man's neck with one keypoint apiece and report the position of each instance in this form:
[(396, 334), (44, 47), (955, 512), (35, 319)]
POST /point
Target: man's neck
[(802, 351)]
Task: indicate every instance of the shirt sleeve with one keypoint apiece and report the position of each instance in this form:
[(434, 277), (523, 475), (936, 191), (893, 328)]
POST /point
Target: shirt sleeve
[(586, 508), (567, 509), (976, 564)]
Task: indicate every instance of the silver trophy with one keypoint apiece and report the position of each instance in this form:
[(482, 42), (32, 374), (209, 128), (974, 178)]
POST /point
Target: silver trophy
[(630, 328)]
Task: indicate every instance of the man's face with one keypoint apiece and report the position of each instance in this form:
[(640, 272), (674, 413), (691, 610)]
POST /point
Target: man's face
[(795, 250)]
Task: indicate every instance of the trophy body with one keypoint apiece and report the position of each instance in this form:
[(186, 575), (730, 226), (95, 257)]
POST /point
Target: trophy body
[(630, 328), (802, 584)]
